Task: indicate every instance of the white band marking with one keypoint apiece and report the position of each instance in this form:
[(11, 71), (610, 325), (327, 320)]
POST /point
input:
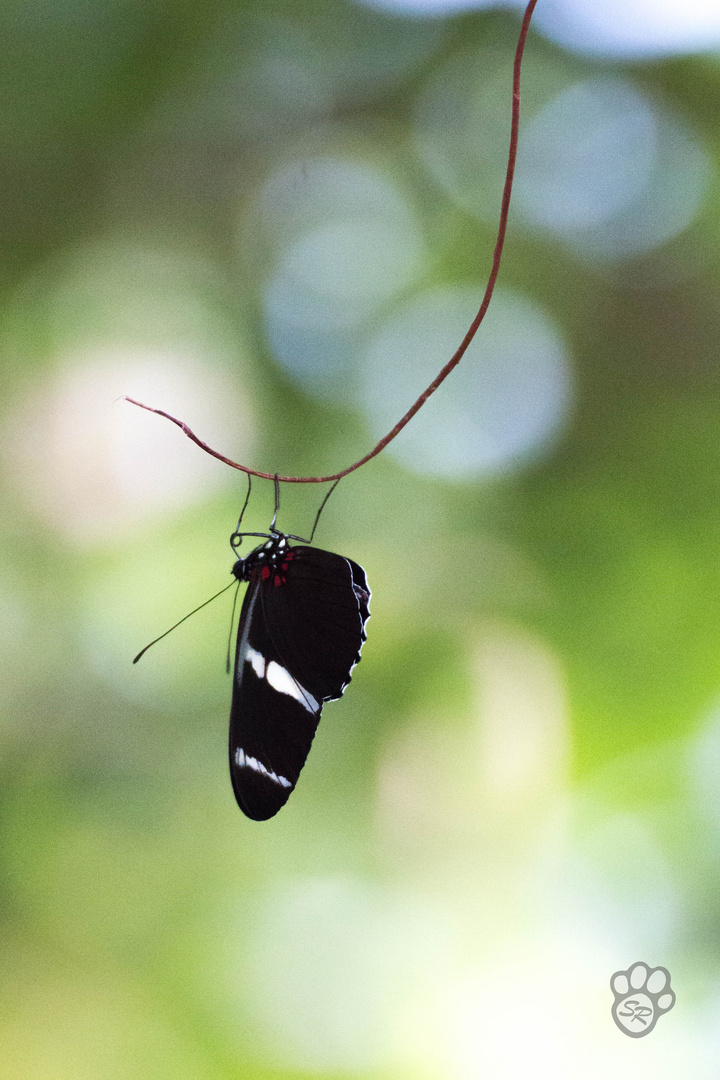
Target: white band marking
[(243, 759), (257, 660), (281, 680)]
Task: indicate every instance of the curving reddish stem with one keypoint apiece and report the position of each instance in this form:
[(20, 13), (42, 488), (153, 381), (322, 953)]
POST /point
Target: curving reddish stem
[(472, 330)]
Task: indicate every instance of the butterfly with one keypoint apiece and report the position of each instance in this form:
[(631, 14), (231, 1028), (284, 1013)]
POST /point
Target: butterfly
[(301, 630)]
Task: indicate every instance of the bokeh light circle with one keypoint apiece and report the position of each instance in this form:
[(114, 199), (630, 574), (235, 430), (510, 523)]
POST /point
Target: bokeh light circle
[(506, 400), (608, 171), (338, 262), (602, 168), (635, 28)]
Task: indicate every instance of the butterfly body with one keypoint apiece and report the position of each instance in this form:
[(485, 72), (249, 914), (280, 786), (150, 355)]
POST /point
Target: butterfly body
[(301, 629)]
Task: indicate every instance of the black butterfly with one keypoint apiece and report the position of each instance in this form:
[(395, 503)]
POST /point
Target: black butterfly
[(302, 627)]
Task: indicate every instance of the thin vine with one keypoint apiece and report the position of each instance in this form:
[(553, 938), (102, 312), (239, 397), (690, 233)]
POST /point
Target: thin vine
[(462, 348)]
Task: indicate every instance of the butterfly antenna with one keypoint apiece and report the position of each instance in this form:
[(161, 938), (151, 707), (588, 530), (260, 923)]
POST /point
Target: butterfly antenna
[(232, 620), (277, 504), (143, 651), (322, 507), (247, 500), (236, 536)]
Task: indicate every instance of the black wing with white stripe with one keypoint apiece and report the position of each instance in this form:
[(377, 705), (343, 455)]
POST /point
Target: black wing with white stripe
[(301, 630)]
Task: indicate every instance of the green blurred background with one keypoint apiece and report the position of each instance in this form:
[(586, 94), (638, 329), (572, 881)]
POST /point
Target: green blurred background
[(276, 220)]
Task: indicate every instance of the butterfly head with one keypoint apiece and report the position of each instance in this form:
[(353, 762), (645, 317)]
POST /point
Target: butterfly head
[(269, 559)]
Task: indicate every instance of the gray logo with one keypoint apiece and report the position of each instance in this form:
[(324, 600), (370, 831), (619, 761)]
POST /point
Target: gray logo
[(642, 994)]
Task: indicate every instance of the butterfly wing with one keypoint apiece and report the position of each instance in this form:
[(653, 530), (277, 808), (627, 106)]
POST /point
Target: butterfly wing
[(301, 630)]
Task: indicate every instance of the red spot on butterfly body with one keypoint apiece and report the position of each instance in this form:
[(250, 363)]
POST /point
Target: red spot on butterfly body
[(265, 573), (278, 579)]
